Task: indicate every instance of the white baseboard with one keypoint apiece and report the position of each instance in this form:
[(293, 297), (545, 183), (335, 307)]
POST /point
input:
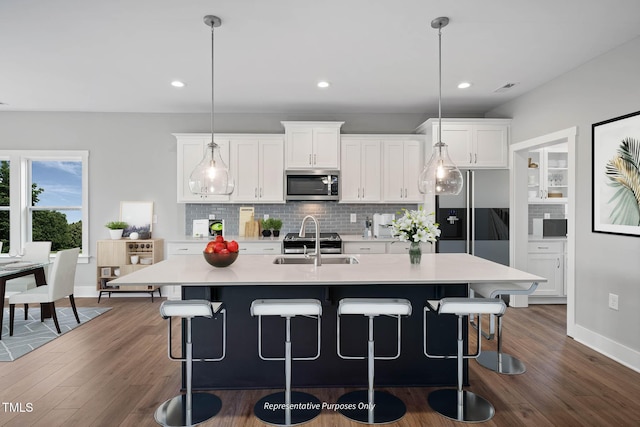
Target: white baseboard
[(614, 350)]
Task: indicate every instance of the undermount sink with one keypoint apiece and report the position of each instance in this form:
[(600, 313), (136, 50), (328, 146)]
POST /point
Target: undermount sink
[(310, 260)]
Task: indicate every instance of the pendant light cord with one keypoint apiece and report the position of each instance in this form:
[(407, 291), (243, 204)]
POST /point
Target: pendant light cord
[(440, 85), (212, 88)]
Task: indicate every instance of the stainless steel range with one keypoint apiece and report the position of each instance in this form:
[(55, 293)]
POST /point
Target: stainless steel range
[(330, 243)]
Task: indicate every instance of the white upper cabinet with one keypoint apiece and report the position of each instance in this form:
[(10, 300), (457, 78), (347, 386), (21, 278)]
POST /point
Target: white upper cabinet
[(257, 165), (312, 145), (548, 175), (361, 171), (473, 143), (190, 151), (402, 162)]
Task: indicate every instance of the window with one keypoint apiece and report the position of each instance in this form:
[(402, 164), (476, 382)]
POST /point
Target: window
[(44, 198)]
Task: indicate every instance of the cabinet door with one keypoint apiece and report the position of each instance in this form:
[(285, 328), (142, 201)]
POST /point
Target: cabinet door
[(550, 266), (490, 146), (393, 171), (412, 168), (371, 171), (271, 186), (245, 158), (326, 152), (459, 141), (299, 148), (189, 153), (350, 189)]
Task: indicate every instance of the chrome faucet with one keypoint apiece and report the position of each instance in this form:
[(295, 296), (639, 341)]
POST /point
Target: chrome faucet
[(318, 261)]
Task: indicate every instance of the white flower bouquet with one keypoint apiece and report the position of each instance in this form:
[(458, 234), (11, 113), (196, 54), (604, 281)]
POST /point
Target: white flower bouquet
[(415, 226)]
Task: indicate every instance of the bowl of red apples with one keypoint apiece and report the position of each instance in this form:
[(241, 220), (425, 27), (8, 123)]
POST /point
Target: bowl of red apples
[(220, 252)]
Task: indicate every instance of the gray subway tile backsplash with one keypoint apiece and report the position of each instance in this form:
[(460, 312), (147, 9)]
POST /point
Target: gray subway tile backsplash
[(333, 216)]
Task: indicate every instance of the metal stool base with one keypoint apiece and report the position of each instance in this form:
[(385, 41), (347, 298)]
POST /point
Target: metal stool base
[(388, 408), (172, 412), (475, 409), (277, 417), (509, 366)]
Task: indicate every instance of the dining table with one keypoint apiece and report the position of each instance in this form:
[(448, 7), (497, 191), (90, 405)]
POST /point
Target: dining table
[(11, 268)]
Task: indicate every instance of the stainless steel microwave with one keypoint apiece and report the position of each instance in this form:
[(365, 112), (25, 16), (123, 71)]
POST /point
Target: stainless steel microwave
[(312, 185)]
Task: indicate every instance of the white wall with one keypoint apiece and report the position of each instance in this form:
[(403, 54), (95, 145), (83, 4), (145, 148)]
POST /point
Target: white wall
[(604, 88), (133, 156)]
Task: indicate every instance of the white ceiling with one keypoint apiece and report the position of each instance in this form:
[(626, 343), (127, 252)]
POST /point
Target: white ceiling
[(379, 55)]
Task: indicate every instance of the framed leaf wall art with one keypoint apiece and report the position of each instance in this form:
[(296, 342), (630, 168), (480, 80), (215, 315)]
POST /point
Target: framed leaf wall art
[(616, 175)]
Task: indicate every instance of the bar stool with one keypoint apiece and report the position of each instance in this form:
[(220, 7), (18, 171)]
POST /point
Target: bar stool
[(372, 406), (191, 408), (458, 404), (287, 407), (497, 360)]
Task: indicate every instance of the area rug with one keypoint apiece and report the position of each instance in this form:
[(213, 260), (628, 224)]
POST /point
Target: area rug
[(31, 333)]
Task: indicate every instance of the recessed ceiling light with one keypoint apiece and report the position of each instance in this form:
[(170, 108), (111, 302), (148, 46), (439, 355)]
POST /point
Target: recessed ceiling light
[(464, 85), (177, 83), (323, 84)]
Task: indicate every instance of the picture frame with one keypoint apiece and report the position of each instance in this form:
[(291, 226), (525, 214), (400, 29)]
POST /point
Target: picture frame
[(105, 271), (615, 174), (139, 218)]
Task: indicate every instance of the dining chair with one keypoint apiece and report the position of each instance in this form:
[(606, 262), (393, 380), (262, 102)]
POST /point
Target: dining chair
[(32, 252), (60, 285)]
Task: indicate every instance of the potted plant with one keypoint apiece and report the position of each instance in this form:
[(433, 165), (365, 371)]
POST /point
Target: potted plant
[(276, 225), (116, 228), (267, 225)]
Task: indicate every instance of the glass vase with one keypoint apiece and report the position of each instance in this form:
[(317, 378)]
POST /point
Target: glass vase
[(415, 253)]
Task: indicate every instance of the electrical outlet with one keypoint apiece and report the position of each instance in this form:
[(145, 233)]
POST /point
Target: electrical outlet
[(613, 301), (353, 218), (265, 216)]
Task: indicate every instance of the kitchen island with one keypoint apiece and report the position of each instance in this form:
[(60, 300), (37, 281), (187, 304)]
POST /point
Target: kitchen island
[(256, 276)]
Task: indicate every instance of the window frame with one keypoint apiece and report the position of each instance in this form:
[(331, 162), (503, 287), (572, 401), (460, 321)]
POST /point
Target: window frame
[(20, 208)]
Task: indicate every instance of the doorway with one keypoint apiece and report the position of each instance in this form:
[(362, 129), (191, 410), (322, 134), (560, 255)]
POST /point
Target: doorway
[(519, 208)]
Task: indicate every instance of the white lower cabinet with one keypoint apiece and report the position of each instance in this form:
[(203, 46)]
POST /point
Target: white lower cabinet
[(261, 248), (364, 247), (382, 247), (547, 259)]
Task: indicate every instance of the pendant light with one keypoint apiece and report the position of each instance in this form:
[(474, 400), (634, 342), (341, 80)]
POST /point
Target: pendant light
[(440, 176), (211, 176)]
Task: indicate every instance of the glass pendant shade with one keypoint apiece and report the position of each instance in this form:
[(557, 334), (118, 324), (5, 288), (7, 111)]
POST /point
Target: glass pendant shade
[(211, 176), (440, 176)]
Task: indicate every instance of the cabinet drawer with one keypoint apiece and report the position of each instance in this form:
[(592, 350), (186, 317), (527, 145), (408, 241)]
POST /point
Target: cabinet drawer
[(186, 248), (259, 248), (545, 247), (364, 248)]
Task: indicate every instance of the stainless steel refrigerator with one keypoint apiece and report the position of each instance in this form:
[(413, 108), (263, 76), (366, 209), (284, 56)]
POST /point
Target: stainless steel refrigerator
[(477, 220)]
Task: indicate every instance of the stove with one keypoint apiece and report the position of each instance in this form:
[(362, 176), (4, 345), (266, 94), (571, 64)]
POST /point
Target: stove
[(330, 243)]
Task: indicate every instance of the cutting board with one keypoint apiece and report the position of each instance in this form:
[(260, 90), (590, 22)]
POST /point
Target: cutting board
[(252, 228), (246, 215)]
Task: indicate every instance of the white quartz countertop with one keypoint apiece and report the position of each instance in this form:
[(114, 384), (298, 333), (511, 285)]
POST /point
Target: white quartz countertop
[(193, 270)]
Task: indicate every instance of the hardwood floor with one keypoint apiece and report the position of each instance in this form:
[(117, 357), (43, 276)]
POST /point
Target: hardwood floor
[(114, 371)]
